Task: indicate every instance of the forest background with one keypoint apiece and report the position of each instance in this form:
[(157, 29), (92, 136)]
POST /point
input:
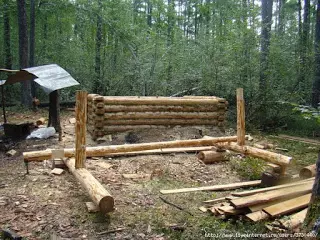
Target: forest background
[(162, 47)]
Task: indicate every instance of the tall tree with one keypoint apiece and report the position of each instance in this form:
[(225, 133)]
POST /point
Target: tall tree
[(32, 41), (266, 15), (316, 81), (7, 38), (26, 98), (97, 84)]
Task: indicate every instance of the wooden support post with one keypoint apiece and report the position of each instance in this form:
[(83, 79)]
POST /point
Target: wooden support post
[(240, 118), (81, 117), (3, 105)]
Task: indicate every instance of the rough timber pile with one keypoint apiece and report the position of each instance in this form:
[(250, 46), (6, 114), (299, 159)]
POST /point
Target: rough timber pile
[(266, 204)]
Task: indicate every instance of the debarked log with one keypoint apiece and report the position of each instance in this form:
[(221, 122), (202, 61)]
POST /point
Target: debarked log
[(103, 150), (99, 195)]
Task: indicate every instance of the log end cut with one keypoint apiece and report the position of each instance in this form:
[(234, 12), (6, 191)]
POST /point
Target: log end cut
[(106, 204)]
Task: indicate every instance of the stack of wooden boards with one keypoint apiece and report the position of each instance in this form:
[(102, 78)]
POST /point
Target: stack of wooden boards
[(266, 203), (115, 114)]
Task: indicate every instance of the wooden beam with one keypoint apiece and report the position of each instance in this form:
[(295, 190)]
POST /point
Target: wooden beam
[(240, 118), (98, 194), (81, 123), (257, 216), (294, 220), (268, 156), (214, 188), (288, 206), (272, 195), (101, 151), (261, 190)]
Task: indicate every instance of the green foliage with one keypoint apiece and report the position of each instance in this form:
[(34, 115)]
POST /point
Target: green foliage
[(248, 168)]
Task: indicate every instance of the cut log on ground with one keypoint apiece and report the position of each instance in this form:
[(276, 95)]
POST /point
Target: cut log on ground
[(272, 195), (98, 194), (214, 188), (101, 151), (268, 156), (209, 157), (308, 172)]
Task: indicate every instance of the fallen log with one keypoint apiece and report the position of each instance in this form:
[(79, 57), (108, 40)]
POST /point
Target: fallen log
[(272, 195), (209, 157), (213, 188), (101, 151), (308, 172), (98, 194)]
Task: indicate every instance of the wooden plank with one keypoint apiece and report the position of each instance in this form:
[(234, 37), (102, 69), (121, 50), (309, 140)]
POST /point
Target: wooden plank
[(217, 200), (272, 195), (288, 206), (81, 129), (261, 190), (294, 220), (257, 216), (240, 118), (261, 206), (214, 188)]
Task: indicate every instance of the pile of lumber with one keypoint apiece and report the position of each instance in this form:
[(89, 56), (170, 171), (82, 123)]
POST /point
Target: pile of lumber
[(266, 204), (115, 114)]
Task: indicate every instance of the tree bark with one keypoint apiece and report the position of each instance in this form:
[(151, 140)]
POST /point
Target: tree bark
[(54, 112), (7, 38), (97, 84), (32, 42), (26, 98), (314, 206), (316, 81)]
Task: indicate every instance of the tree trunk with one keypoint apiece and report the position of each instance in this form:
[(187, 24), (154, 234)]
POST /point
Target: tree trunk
[(316, 81), (281, 21), (97, 84), (26, 98), (304, 46), (7, 40), (313, 214), (32, 42), (54, 112)]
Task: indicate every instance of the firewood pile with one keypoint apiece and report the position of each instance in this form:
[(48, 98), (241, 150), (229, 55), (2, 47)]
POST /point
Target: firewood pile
[(269, 203)]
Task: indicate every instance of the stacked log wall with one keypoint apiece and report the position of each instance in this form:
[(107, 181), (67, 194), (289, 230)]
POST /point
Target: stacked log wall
[(109, 114)]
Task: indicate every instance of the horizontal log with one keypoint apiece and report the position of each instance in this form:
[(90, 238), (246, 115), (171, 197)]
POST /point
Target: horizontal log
[(166, 108), (101, 151), (164, 115), (308, 172), (99, 195), (268, 156), (161, 122), (160, 101)]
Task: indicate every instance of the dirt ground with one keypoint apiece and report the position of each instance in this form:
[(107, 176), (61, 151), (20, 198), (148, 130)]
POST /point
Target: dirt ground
[(40, 205)]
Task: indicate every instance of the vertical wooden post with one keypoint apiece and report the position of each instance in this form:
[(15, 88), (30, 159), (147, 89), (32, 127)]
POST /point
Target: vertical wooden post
[(3, 105), (81, 128), (241, 132)]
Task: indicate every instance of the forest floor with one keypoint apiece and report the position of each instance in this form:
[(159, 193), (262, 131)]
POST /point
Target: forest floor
[(45, 206)]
